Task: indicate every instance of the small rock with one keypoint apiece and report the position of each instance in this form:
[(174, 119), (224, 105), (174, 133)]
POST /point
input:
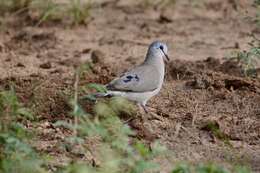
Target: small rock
[(20, 65), (1, 47), (231, 67), (97, 56), (46, 124), (56, 71), (85, 51), (164, 19), (236, 46), (46, 65), (212, 63)]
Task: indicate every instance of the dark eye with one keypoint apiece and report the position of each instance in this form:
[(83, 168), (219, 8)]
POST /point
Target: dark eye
[(161, 47)]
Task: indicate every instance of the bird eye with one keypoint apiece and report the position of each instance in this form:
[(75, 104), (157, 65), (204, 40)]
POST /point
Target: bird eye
[(161, 47)]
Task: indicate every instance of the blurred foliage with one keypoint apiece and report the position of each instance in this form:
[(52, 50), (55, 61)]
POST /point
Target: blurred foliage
[(116, 154), (181, 168), (248, 59), (14, 5), (207, 168), (210, 168), (47, 11), (74, 11), (15, 154), (257, 17), (79, 11), (97, 87), (257, 2), (214, 128)]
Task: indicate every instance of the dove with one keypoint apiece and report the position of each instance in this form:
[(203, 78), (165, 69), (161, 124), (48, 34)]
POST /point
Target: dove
[(142, 82)]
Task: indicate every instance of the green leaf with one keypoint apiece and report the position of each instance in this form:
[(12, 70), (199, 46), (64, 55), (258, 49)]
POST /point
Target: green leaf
[(104, 110), (181, 168), (97, 87), (158, 149), (9, 99), (142, 166), (211, 168), (256, 51), (142, 149), (121, 105), (242, 169), (25, 112)]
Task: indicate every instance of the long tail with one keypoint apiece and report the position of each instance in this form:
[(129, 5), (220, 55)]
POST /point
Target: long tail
[(98, 95)]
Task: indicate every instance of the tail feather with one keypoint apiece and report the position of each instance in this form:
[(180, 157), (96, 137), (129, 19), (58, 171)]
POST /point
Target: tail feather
[(94, 96), (102, 95)]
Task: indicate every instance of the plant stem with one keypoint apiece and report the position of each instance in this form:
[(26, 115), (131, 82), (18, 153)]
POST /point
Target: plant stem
[(76, 102)]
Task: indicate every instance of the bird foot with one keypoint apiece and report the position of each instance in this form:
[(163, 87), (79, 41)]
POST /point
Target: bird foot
[(152, 112), (145, 109)]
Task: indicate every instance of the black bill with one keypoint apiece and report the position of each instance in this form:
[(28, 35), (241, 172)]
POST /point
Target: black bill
[(166, 56)]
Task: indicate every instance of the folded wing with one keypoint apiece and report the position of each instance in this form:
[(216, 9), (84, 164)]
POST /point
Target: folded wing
[(140, 79)]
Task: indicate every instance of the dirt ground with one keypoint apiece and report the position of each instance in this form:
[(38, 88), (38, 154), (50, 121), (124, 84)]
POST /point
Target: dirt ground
[(201, 84)]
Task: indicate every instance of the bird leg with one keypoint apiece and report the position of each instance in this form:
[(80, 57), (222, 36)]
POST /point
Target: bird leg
[(144, 108), (153, 114)]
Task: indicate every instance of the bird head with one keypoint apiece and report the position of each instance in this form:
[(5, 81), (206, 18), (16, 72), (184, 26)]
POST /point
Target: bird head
[(160, 50)]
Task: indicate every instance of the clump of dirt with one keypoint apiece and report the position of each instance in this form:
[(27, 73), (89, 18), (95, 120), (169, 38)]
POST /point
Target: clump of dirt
[(48, 98), (32, 40), (187, 69)]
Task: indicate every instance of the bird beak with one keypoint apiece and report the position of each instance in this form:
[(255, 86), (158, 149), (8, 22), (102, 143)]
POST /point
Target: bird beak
[(166, 57)]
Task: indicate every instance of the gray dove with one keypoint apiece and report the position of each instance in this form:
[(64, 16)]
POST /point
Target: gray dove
[(144, 81)]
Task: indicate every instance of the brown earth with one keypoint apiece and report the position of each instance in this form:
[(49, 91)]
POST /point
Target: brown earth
[(201, 86)]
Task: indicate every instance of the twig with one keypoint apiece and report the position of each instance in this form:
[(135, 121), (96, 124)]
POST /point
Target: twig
[(76, 102), (19, 11), (194, 115), (177, 132), (129, 120)]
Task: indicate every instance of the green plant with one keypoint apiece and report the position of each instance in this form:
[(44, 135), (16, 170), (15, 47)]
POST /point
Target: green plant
[(48, 10), (257, 16), (210, 168), (214, 128), (15, 154), (181, 168), (14, 5), (79, 11), (257, 2), (207, 168), (75, 11), (115, 151), (241, 169), (248, 59)]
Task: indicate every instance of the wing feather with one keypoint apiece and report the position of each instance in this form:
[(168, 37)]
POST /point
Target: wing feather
[(140, 79)]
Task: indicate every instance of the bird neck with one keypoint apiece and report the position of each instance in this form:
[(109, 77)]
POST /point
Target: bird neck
[(156, 61)]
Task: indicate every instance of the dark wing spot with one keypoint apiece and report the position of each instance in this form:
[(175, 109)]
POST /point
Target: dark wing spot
[(128, 79)]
